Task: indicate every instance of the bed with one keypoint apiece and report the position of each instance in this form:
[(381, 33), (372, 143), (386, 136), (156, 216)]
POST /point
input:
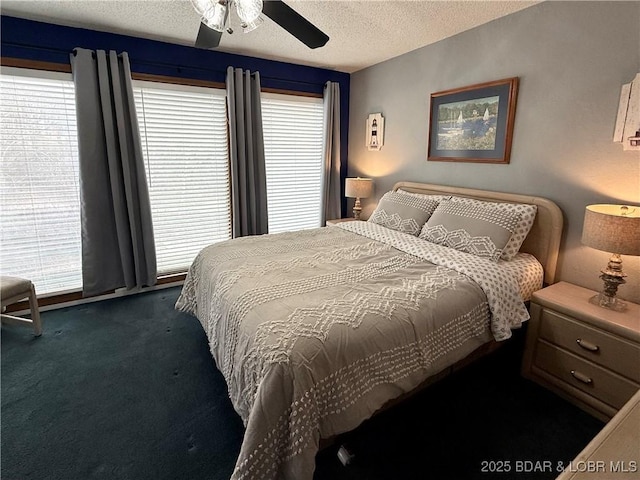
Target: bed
[(316, 330)]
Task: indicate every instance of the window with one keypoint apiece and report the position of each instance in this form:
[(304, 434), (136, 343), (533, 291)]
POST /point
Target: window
[(183, 130), (184, 140), (293, 155), (39, 180)]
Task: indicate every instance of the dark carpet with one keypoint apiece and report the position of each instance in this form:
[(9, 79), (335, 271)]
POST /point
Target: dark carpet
[(127, 389)]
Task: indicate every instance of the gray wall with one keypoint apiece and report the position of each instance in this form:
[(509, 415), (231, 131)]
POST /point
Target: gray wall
[(571, 58)]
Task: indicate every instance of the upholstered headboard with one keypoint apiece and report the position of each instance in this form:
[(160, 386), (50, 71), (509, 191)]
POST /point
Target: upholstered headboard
[(543, 241)]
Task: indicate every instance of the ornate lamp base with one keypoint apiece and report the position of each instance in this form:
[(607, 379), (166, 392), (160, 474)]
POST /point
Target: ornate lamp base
[(612, 303), (613, 277), (357, 209)]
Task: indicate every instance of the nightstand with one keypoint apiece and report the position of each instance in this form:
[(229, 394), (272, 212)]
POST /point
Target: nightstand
[(331, 223), (615, 452), (584, 353)]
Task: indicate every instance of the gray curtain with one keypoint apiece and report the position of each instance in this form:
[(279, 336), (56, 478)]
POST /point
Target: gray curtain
[(118, 249), (331, 206), (246, 150)]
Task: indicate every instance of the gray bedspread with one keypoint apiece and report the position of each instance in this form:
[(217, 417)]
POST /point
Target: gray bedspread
[(315, 330)]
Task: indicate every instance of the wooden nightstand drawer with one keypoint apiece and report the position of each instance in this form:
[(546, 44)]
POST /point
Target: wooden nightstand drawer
[(605, 361), (595, 345), (584, 375)]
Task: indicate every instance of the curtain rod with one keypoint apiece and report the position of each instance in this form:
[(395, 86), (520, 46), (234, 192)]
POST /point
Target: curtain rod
[(178, 68)]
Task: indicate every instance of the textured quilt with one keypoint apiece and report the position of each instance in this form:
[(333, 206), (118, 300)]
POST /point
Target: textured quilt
[(316, 330)]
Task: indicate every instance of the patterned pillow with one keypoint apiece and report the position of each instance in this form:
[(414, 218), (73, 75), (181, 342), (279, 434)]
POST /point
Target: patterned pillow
[(527, 214), (472, 228), (402, 212)]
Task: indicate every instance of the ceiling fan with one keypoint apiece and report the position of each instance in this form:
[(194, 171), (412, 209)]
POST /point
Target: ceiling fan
[(215, 16)]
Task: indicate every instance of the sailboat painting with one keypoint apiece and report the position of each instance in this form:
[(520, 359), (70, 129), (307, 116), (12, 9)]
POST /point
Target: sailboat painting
[(474, 128), (473, 124)]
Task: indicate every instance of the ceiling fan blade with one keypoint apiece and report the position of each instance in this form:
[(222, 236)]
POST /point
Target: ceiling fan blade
[(207, 37), (294, 23)]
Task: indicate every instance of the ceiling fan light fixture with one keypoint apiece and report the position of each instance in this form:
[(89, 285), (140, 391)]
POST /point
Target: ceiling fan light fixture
[(215, 17), (215, 20), (248, 10), (201, 6), (250, 26)]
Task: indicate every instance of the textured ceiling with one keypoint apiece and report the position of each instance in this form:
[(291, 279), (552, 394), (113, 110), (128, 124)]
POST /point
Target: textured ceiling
[(362, 33)]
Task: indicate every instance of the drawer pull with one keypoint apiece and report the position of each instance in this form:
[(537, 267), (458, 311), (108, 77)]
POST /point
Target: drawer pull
[(581, 377), (587, 345)]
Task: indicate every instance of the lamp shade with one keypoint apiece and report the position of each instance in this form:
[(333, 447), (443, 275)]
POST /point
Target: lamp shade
[(612, 228), (358, 187)]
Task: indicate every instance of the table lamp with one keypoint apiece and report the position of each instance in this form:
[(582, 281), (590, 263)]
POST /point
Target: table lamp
[(616, 229), (358, 188)]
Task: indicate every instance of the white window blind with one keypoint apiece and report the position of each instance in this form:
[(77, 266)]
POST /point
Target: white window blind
[(39, 185), (184, 140), (293, 155)]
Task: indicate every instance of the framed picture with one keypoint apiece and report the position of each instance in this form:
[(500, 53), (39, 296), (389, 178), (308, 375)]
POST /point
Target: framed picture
[(375, 131), (474, 123)]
